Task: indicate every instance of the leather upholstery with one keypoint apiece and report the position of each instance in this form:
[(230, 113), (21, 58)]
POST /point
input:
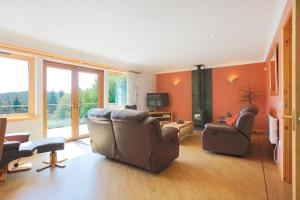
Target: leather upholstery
[(101, 132), (10, 153), (2, 132), (245, 123), (249, 108), (99, 114), (21, 137), (135, 138), (10, 149), (233, 140), (128, 115), (13, 150), (49, 144), (132, 107)]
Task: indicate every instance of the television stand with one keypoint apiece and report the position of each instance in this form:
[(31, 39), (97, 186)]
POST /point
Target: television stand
[(162, 117)]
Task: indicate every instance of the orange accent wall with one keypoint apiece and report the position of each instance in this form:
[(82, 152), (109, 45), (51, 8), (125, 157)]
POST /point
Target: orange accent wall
[(179, 87), (226, 95)]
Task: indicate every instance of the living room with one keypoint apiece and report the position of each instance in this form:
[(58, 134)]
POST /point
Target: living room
[(149, 100)]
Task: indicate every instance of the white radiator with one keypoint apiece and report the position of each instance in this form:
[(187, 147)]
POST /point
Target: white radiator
[(273, 129)]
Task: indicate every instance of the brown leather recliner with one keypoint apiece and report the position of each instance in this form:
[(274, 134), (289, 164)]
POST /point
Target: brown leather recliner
[(233, 140), (133, 137)]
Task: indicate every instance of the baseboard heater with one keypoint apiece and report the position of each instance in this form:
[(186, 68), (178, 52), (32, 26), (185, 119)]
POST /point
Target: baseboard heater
[(273, 134)]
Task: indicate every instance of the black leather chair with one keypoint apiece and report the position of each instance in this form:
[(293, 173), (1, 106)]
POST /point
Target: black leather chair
[(11, 148), (233, 140)]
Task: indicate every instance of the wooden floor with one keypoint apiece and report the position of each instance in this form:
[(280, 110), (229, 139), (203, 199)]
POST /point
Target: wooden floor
[(196, 174)]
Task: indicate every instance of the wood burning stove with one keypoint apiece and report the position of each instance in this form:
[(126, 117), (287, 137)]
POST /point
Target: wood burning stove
[(199, 119), (201, 96)]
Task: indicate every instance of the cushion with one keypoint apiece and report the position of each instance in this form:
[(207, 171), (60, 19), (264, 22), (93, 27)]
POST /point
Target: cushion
[(132, 107), (127, 115), (50, 144), (99, 114), (26, 149), (231, 120)]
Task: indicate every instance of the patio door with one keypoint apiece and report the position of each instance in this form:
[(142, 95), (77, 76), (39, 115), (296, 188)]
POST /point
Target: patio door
[(69, 92)]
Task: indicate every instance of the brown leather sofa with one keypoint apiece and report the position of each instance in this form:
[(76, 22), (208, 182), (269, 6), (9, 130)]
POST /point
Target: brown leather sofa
[(233, 140), (132, 137)]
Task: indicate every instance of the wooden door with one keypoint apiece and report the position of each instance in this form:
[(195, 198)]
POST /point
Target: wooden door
[(296, 99), (287, 100)]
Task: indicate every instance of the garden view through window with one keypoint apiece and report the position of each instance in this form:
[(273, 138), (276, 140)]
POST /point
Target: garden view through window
[(117, 91), (14, 86), (61, 107)]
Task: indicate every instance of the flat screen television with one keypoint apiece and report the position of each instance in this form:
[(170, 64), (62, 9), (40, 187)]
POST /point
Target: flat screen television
[(157, 99)]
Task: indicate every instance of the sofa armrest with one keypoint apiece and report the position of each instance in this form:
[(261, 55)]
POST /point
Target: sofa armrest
[(11, 145), (20, 137), (169, 133), (220, 128)]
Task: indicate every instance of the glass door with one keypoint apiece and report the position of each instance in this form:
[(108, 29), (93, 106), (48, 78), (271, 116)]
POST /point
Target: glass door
[(88, 97), (59, 102), (69, 93)]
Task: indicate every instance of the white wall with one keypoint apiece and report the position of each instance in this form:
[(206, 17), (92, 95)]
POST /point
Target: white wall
[(146, 82)]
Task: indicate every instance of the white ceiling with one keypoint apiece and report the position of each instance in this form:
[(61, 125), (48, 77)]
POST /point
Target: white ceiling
[(145, 35)]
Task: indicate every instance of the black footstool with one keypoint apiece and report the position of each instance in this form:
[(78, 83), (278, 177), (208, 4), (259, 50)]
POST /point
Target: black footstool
[(51, 145)]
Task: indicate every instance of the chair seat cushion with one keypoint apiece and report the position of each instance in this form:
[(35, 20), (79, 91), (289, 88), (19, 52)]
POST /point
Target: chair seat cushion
[(51, 144), (26, 149)]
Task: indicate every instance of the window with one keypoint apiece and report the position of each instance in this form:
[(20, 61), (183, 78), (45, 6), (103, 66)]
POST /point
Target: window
[(16, 86), (117, 90)]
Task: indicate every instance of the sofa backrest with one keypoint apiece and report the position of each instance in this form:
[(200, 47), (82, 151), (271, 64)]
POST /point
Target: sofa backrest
[(101, 132), (132, 107), (249, 108), (245, 123), (136, 136)]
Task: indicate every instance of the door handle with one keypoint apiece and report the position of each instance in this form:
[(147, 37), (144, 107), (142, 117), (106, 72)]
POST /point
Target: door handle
[(292, 117), (75, 107), (287, 117)]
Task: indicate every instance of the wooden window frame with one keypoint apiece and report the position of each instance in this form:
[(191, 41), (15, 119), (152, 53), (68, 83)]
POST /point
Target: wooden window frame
[(31, 88), (273, 71), (75, 69)]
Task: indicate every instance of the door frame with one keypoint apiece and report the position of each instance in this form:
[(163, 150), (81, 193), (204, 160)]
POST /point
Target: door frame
[(287, 99), (296, 99), (75, 93)]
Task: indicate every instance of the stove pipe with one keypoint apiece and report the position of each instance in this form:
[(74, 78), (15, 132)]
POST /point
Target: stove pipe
[(200, 67)]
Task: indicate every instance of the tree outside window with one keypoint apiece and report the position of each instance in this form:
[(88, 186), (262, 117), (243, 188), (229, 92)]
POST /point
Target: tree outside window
[(117, 91)]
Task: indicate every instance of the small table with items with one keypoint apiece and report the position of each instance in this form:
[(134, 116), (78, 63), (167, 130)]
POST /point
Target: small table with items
[(184, 129)]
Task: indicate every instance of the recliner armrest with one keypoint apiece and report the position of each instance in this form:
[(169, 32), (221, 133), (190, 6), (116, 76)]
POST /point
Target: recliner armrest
[(220, 128), (169, 133), (10, 145)]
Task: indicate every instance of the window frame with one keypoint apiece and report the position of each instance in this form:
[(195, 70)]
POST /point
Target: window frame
[(31, 88), (116, 73)]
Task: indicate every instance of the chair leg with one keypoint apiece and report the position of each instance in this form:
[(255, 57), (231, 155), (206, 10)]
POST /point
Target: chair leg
[(53, 162), (60, 166), (41, 169), (63, 160), (3, 173)]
